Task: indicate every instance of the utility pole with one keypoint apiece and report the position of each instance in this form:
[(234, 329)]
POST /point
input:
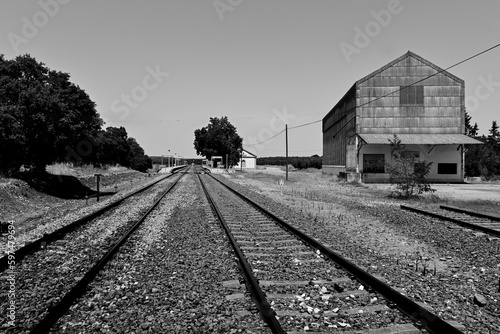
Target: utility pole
[(97, 179), (286, 142)]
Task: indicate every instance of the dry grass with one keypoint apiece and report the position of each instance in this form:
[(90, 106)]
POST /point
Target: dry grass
[(313, 185), (69, 169), (341, 206)]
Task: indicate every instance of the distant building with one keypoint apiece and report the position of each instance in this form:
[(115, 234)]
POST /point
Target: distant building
[(248, 160), (410, 97), (215, 162)]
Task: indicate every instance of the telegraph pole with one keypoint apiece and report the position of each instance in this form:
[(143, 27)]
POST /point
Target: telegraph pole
[(286, 142)]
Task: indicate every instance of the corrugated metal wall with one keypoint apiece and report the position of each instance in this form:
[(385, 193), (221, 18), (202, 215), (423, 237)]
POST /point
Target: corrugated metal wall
[(442, 111), (339, 122)]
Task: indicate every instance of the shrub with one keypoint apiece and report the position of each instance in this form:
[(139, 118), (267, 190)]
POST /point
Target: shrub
[(406, 174)]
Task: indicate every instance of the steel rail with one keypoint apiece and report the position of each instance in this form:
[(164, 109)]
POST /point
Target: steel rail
[(251, 281), (453, 220), (37, 244), (470, 213), (417, 313), (55, 312)]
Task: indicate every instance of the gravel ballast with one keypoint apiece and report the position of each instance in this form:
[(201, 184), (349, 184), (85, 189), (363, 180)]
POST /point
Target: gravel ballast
[(62, 215), (397, 245), (306, 291), (174, 275), (179, 265), (44, 277)]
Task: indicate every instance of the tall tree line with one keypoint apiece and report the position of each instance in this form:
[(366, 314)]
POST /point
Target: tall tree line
[(297, 162), (45, 118)]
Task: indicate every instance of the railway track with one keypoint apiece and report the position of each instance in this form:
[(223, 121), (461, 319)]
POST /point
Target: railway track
[(45, 240), (49, 282), (469, 219), (167, 278), (299, 284)]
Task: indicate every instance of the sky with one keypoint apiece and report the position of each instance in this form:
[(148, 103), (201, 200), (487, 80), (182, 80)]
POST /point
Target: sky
[(162, 68)]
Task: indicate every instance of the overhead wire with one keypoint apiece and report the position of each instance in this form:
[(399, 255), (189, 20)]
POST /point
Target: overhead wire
[(388, 94)]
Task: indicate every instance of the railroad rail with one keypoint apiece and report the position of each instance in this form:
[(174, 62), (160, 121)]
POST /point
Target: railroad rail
[(269, 250), (48, 238), (78, 289), (470, 219)]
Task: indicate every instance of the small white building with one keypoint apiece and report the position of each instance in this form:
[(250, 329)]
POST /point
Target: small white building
[(215, 162), (248, 160)]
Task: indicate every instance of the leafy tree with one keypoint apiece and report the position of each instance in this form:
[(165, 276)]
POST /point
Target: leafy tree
[(138, 160), (41, 114), (115, 146), (219, 137), (407, 174), (12, 140)]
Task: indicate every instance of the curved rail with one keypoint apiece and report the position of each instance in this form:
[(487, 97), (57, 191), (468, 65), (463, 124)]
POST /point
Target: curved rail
[(47, 238), (77, 290), (417, 313), (458, 221)]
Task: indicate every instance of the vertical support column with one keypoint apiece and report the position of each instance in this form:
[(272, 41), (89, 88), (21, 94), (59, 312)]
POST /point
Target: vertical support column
[(462, 167), (286, 143)]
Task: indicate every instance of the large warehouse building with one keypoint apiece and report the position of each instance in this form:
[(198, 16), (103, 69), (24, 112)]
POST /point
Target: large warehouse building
[(410, 97)]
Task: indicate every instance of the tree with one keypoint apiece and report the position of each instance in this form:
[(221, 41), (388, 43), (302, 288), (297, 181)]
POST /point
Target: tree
[(406, 173), (494, 135), (219, 137), (41, 114), (12, 140), (115, 149), (136, 157), (471, 131)]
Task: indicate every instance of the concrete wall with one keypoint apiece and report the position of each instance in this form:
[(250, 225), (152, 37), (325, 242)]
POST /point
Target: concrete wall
[(250, 163), (332, 169), (438, 154)]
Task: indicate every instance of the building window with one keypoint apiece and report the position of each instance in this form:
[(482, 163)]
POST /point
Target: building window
[(411, 95), (447, 168), (373, 163)]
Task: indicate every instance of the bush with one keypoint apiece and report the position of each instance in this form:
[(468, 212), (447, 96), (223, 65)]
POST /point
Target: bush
[(408, 176)]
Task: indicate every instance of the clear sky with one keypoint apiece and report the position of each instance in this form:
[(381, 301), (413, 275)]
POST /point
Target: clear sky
[(161, 68)]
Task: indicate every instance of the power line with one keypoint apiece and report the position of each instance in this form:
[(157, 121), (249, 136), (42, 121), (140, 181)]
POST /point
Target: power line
[(298, 151), (299, 126), (397, 90), (268, 139)]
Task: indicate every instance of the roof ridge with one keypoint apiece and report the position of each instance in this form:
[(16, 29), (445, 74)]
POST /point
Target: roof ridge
[(406, 55)]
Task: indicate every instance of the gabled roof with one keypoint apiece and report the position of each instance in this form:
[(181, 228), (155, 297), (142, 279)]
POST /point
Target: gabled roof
[(249, 153), (413, 55)]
